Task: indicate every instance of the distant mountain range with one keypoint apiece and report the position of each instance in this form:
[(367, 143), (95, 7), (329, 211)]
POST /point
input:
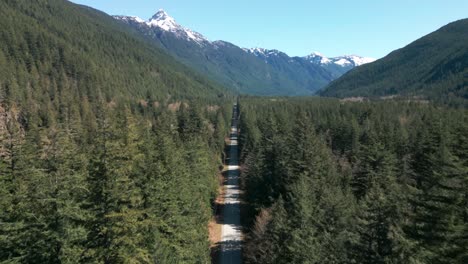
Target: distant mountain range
[(251, 71), (433, 67)]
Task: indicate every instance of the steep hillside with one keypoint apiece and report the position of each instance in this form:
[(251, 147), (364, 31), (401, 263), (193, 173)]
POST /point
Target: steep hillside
[(52, 40), (250, 71), (434, 66)]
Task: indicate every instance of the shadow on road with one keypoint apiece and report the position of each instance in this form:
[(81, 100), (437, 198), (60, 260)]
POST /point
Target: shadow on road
[(229, 249), (232, 250)]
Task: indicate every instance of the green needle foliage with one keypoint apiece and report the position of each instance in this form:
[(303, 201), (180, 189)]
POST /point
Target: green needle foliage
[(334, 182), (109, 149)]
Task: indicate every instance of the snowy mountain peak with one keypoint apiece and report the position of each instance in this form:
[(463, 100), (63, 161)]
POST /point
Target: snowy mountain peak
[(316, 54), (161, 15), (343, 61), (317, 58), (164, 21), (351, 60)]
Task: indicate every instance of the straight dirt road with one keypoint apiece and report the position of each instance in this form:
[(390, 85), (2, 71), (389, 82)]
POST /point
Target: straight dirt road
[(231, 236)]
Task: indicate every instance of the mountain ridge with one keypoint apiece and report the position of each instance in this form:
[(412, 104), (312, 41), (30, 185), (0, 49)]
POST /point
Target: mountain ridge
[(244, 70), (164, 21)]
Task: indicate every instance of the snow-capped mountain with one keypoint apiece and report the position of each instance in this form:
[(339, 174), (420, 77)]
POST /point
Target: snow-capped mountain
[(167, 23), (248, 70), (316, 57), (344, 61)]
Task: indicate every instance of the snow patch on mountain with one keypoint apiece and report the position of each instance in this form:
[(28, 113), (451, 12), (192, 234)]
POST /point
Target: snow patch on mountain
[(342, 62), (256, 51), (130, 18), (356, 60), (317, 58), (261, 52)]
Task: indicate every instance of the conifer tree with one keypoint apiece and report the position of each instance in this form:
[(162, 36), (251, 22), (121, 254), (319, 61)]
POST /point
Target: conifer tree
[(437, 197)]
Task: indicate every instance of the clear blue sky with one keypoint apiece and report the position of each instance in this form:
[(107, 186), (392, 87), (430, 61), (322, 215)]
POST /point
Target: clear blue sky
[(298, 27)]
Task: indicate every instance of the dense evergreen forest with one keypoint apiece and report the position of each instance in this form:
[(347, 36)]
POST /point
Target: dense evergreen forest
[(109, 149), (122, 185), (333, 182)]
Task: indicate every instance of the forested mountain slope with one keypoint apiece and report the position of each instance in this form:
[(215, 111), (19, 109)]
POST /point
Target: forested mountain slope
[(109, 149), (56, 39), (434, 66), (334, 182)]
